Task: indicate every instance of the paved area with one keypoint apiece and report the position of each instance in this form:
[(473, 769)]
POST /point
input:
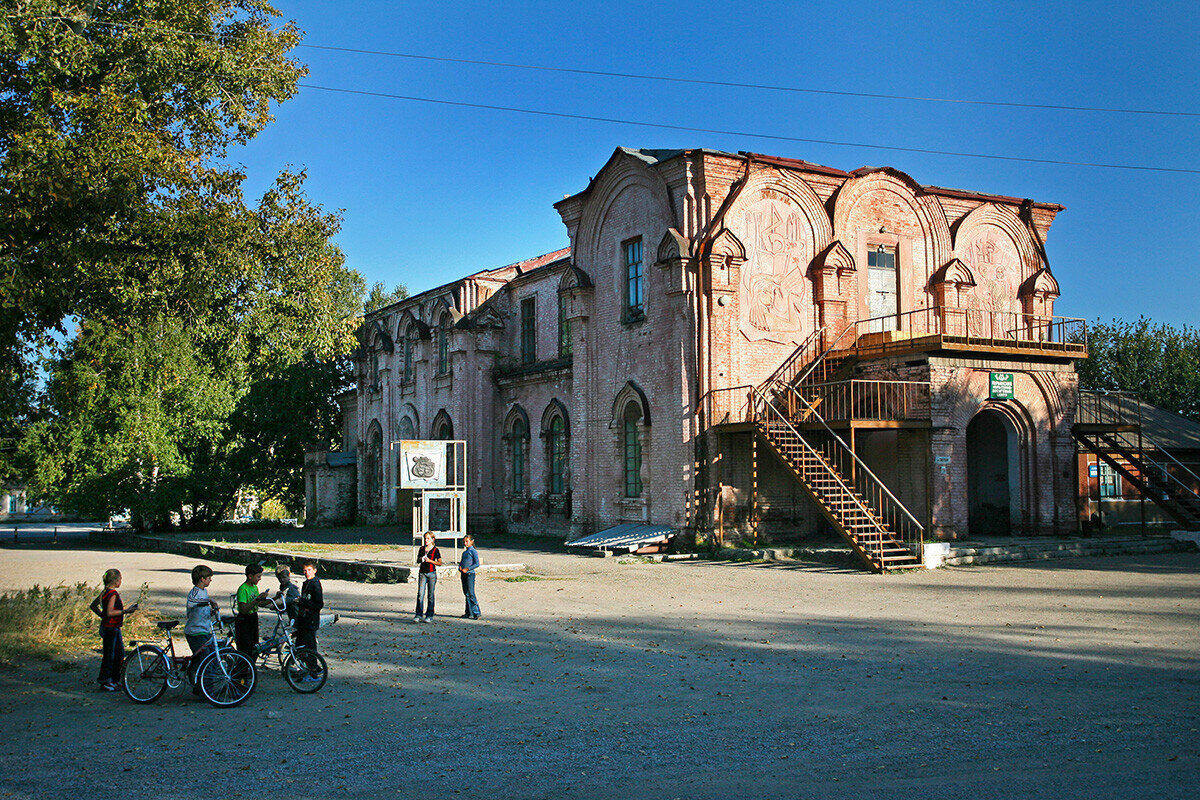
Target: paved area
[(1068, 679)]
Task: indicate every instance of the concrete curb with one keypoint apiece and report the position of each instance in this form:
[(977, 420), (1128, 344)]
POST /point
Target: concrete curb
[(339, 568)]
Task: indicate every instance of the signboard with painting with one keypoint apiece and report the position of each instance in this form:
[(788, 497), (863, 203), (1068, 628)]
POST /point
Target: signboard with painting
[(422, 464)]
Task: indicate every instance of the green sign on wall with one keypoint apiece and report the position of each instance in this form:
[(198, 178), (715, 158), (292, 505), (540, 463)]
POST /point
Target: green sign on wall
[(1000, 386)]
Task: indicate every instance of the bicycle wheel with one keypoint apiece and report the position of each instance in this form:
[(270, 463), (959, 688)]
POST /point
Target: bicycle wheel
[(226, 680), (305, 670), (145, 675)]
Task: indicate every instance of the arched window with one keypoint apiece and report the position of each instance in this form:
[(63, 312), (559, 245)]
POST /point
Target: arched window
[(410, 351), (632, 448), (443, 345), (556, 446), (518, 441), (443, 430), (373, 469)]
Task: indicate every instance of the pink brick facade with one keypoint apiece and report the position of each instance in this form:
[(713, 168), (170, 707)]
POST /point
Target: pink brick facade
[(742, 258)]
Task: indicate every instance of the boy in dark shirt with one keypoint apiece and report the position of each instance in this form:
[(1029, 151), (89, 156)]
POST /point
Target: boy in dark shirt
[(311, 601)]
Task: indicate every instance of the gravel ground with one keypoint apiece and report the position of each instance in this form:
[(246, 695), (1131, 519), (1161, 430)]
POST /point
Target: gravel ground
[(1065, 679)]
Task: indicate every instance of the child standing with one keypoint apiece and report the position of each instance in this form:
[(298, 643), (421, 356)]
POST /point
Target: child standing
[(312, 600), (466, 571), (248, 601), (287, 591), (112, 616), (430, 558), (200, 611)]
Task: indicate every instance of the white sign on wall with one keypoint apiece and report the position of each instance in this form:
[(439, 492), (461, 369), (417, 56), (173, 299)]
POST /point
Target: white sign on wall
[(422, 464)]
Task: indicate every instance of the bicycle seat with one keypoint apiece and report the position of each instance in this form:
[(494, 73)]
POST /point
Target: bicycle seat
[(167, 624), (227, 619)]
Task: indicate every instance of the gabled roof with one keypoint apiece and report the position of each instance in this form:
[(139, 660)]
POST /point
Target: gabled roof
[(655, 157)]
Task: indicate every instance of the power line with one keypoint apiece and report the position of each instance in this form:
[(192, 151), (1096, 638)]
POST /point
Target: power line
[(763, 86), (776, 137), (673, 79)]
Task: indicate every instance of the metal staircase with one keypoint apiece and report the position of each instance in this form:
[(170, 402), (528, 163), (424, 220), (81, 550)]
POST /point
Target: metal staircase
[(883, 533), (1109, 425)]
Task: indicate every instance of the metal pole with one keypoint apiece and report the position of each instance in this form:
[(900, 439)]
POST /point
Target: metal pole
[(1142, 459), (754, 486)]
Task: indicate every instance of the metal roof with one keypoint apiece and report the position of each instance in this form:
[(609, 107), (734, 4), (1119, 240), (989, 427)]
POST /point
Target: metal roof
[(626, 536)]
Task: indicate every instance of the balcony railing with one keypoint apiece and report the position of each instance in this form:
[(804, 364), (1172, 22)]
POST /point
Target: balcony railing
[(1108, 408), (967, 327), (865, 400), (731, 406)]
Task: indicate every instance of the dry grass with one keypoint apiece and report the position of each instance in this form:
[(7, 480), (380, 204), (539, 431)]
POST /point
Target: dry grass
[(46, 622)]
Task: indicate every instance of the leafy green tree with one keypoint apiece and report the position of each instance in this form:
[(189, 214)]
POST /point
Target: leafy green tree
[(378, 297), (169, 416), (196, 312), (1159, 363), (114, 120)]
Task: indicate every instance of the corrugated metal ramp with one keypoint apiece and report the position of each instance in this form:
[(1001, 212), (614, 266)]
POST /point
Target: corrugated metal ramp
[(627, 536)]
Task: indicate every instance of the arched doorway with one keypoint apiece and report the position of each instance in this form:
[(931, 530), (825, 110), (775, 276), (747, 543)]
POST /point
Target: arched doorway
[(993, 475)]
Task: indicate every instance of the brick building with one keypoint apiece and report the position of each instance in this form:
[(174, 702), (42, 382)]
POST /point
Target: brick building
[(737, 343)]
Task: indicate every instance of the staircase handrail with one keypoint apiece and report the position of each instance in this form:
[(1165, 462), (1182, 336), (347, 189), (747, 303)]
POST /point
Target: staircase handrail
[(813, 364), (1115, 411), (858, 461), (1167, 475), (796, 354), (849, 490)]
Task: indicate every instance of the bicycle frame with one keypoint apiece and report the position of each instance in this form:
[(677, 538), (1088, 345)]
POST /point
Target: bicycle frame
[(280, 640)]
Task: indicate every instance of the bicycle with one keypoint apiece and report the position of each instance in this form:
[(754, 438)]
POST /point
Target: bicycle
[(224, 676), (303, 668)]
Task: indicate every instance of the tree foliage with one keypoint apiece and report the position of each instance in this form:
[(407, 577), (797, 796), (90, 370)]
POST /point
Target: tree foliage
[(379, 297), (209, 331), (1159, 363)]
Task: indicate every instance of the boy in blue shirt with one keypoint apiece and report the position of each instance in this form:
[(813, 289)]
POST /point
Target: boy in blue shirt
[(466, 570)]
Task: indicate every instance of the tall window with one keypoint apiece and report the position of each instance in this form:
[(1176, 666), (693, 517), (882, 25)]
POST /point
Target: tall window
[(564, 328), (558, 455), (519, 434), (634, 308), (633, 451), (410, 346), (528, 330), (443, 365)]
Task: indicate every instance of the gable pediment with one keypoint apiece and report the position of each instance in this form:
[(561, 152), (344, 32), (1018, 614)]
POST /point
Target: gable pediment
[(834, 257), (955, 272), (1039, 283), (673, 245)]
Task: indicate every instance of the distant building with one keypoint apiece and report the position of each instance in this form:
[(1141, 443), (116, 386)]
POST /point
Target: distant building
[(738, 344), (16, 507)]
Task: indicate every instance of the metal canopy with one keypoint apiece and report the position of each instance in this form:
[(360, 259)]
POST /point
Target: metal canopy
[(627, 536)]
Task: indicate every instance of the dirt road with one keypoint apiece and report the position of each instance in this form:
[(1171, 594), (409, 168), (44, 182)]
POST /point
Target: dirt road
[(1071, 679)]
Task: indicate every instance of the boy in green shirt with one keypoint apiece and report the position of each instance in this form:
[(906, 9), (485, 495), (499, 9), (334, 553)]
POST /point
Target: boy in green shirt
[(248, 601)]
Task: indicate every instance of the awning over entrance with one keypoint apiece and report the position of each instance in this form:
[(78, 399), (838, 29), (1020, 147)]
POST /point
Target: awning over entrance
[(628, 536)]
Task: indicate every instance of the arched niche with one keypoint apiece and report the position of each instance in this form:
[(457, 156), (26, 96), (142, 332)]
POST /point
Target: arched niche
[(1000, 252), (624, 179), (887, 208), (782, 226)]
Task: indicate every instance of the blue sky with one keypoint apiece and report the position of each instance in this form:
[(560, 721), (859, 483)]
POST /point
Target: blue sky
[(431, 192)]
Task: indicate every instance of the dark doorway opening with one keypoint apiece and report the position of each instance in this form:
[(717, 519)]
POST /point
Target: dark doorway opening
[(993, 488)]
